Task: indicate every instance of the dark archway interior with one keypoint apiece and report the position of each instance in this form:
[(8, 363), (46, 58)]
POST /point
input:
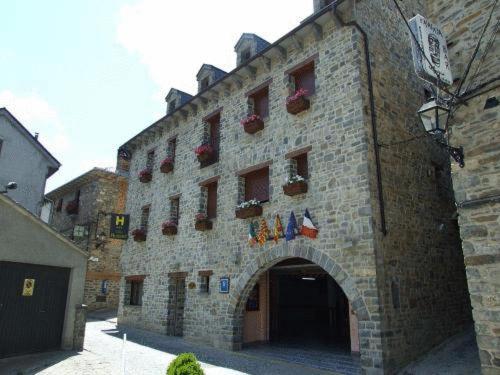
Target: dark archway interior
[(307, 306)]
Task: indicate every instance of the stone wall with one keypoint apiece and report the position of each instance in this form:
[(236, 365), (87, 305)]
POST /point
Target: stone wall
[(476, 186), (421, 279), (103, 192)]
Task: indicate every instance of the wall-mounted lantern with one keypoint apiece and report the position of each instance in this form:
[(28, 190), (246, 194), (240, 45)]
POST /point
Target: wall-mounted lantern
[(433, 115)]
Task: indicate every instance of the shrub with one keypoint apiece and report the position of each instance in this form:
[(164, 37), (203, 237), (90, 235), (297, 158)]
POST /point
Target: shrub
[(185, 364)]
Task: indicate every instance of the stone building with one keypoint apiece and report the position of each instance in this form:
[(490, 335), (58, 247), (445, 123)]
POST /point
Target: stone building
[(81, 210), (475, 126), (385, 275), (24, 160)]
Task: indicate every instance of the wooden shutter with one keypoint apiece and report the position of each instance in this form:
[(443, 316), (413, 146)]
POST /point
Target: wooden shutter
[(257, 185), (304, 78), (261, 103), (214, 123), (212, 200), (172, 144), (150, 160), (302, 169)]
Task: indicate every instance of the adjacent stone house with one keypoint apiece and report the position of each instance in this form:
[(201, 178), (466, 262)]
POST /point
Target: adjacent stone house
[(24, 160), (475, 125), (386, 275), (81, 211)]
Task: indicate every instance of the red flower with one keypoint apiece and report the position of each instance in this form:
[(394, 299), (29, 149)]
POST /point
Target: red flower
[(201, 216), (169, 223), (138, 232), (145, 173), (299, 93), (249, 119), (203, 149), (167, 160)]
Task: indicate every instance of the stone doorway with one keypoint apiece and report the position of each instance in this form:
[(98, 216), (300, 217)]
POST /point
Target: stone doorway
[(176, 299)]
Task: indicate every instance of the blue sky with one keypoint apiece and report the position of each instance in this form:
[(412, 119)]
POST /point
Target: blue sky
[(88, 75)]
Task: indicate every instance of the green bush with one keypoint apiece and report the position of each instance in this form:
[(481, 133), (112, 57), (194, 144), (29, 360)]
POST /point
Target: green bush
[(185, 364)]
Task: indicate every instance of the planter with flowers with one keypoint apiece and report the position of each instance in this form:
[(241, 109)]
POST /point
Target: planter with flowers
[(167, 165), (169, 228), (252, 124), (248, 209), (202, 222), (204, 152), (72, 208), (295, 185), (297, 102), (145, 175), (139, 235)]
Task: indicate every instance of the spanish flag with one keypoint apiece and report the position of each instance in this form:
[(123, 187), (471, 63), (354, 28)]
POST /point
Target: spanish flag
[(278, 229), (263, 233), (308, 229)]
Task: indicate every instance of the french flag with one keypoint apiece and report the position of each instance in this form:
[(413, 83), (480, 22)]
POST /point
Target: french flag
[(308, 229)]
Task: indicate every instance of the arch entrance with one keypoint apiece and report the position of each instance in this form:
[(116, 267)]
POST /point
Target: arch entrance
[(297, 303)]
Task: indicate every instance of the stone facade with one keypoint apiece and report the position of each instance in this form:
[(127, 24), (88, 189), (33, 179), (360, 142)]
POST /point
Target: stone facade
[(475, 127), (406, 284), (98, 192)]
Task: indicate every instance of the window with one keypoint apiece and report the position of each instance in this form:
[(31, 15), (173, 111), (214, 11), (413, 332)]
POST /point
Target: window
[(174, 209), (257, 185), (213, 124), (205, 281), (172, 144), (145, 218), (245, 55), (1, 143), (301, 163), (150, 160), (261, 102), (304, 78), (204, 83), (212, 200), (59, 205), (136, 288)]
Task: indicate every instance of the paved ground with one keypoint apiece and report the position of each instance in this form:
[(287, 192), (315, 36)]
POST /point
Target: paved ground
[(456, 356), (150, 353)]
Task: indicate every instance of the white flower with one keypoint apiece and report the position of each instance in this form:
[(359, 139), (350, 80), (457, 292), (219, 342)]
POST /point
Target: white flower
[(250, 203), (294, 179)]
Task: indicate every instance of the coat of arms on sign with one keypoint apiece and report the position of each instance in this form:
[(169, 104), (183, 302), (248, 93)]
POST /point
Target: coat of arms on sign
[(28, 287)]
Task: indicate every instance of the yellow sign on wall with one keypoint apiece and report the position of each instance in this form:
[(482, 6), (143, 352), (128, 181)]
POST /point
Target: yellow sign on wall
[(28, 287)]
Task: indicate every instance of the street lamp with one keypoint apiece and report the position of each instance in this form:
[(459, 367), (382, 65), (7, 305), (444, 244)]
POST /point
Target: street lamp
[(10, 186), (433, 115)]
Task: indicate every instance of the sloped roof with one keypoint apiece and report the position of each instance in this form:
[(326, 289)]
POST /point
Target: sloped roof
[(219, 73), (261, 43), (87, 177), (38, 146), (184, 95)]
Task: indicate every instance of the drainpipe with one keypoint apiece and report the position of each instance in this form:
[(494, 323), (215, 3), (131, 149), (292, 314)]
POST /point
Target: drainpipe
[(376, 145)]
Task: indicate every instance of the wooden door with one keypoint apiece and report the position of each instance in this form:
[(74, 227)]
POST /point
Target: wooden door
[(176, 299)]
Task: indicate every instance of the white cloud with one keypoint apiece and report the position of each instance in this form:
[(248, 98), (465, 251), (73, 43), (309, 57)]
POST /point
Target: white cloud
[(173, 39), (37, 115)]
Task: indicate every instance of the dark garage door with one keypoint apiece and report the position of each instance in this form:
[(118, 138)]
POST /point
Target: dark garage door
[(31, 323)]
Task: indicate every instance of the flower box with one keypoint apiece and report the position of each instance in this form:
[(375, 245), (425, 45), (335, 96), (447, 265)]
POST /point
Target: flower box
[(297, 102), (139, 235), (252, 124), (246, 212), (169, 228), (295, 188), (167, 165), (204, 152), (202, 225), (72, 208), (145, 175)]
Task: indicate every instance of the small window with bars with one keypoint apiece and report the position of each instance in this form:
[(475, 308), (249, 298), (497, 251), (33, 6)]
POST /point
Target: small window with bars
[(135, 292), (150, 159), (257, 185), (205, 281), (174, 209), (145, 217), (304, 78)]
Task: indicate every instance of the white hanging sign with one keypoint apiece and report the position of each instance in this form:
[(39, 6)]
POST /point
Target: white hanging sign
[(433, 43)]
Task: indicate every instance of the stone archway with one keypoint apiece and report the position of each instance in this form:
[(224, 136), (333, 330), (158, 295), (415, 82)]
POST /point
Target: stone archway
[(240, 290)]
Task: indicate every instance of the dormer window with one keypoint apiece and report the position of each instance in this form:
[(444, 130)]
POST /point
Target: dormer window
[(171, 106), (204, 83), (245, 55)]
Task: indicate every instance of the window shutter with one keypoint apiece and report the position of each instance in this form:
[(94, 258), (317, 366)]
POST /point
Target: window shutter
[(257, 185), (172, 146), (261, 103), (215, 135), (304, 78), (302, 169), (212, 200)]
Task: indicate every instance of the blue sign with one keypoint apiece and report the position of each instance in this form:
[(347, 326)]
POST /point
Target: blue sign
[(224, 285), (104, 286)]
